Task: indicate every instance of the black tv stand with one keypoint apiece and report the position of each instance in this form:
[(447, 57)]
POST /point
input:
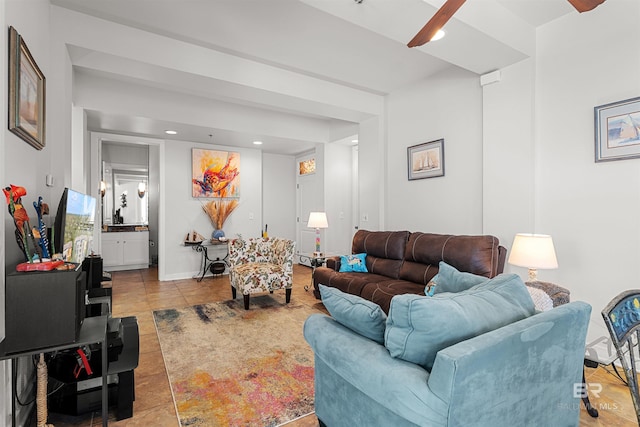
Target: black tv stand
[(82, 394), (92, 331), (47, 313)]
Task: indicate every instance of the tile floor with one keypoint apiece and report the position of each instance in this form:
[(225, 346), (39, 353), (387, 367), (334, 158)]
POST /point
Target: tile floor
[(138, 293)]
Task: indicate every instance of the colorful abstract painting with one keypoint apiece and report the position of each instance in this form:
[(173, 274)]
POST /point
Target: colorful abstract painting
[(215, 173), (233, 367)]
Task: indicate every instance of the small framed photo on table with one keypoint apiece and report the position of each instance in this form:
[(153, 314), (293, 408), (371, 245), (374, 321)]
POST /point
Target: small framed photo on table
[(426, 160)]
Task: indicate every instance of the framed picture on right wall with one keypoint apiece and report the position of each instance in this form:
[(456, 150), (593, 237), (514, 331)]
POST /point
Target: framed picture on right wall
[(426, 160), (617, 130)]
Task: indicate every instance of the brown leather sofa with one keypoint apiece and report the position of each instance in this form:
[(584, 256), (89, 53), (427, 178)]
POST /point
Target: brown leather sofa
[(401, 262)]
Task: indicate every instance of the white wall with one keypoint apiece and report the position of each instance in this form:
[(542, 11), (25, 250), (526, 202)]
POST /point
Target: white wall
[(24, 165), (79, 168), (447, 106), (509, 154), (550, 181), (125, 154), (371, 172), (182, 213), (592, 210), (337, 199), (537, 172), (21, 164), (279, 195)]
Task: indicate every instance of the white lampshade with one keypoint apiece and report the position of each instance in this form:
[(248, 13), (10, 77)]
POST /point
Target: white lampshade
[(533, 251), (317, 220)]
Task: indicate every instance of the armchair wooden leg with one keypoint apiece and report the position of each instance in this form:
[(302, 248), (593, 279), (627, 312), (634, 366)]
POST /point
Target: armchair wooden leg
[(233, 292), (288, 295), (585, 400), (246, 302)]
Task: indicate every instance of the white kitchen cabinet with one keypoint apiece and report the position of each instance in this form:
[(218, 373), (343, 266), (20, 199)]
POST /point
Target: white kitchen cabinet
[(125, 250)]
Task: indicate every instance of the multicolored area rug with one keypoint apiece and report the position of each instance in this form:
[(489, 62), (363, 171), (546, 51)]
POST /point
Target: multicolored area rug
[(231, 367)]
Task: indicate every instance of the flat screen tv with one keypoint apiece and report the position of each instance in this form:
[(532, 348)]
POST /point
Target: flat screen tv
[(73, 227)]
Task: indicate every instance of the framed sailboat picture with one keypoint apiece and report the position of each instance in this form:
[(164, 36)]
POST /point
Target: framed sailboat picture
[(617, 130), (426, 160)]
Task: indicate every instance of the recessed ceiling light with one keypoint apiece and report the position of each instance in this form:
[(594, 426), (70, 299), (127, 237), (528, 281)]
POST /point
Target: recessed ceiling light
[(355, 141), (257, 142), (438, 35), (170, 132)]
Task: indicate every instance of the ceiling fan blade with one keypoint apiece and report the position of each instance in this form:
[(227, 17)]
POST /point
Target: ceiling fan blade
[(585, 5), (438, 20)]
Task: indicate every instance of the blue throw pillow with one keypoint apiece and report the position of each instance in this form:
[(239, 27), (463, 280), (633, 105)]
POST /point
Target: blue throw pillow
[(449, 279), (353, 263), (418, 327), (358, 314)]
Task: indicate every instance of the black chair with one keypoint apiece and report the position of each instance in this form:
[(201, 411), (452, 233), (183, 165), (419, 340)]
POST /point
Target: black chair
[(622, 317)]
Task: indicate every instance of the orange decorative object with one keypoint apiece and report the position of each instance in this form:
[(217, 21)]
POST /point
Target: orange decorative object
[(14, 191), (38, 266)]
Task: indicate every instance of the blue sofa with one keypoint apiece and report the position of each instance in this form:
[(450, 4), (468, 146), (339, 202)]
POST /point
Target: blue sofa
[(519, 374)]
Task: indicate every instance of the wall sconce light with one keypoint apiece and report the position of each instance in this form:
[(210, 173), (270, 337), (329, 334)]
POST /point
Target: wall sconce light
[(103, 188), (142, 189)]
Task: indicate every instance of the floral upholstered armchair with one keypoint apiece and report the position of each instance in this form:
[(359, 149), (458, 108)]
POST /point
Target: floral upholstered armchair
[(261, 265)]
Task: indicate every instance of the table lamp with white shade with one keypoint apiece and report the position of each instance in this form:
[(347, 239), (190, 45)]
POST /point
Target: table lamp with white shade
[(317, 220), (533, 251)]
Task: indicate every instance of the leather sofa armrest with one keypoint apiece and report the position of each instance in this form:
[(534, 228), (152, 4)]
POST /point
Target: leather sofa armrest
[(502, 257), (333, 263)]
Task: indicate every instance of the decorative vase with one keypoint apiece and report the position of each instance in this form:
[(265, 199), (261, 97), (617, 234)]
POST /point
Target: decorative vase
[(217, 234)]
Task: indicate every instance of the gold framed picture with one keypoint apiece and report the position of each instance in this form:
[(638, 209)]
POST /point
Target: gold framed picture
[(26, 93)]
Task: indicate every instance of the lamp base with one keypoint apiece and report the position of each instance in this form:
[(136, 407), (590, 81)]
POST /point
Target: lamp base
[(533, 275)]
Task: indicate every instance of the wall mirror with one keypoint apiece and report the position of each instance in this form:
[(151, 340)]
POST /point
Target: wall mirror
[(125, 199)]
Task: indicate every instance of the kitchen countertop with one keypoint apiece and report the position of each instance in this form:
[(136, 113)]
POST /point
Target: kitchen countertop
[(124, 228)]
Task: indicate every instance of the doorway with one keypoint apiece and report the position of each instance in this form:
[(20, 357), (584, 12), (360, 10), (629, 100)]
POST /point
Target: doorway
[(151, 177)]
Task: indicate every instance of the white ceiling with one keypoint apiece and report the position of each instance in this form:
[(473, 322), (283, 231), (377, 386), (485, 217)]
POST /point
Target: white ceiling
[(356, 45)]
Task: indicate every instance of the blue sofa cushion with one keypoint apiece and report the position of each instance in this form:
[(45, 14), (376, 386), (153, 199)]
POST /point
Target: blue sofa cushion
[(418, 326), (361, 316), (355, 263), (449, 279)]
